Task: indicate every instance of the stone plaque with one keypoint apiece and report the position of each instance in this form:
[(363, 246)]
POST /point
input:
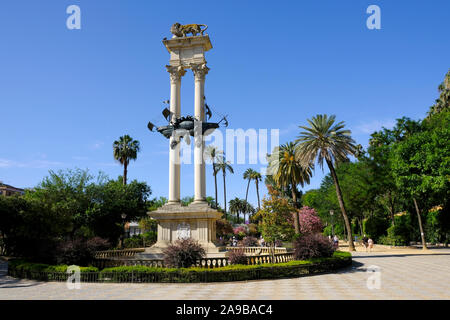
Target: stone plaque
[(183, 231)]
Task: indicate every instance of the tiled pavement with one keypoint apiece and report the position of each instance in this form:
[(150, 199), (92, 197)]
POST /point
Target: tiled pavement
[(404, 275)]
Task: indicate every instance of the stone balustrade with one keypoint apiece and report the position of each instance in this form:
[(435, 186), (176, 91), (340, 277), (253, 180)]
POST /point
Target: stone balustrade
[(126, 253), (258, 250), (209, 263)]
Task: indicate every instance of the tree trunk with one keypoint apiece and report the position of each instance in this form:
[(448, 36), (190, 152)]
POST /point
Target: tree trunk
[(296, 217), (360, 226), (224, 195), (391, 213), (345, 230), (246, 193), (422, 234), (215, 183), (351, 246), (257, 194), (125, 165)]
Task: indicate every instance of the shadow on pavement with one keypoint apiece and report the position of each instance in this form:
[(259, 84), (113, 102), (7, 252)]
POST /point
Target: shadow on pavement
[(9, 282)]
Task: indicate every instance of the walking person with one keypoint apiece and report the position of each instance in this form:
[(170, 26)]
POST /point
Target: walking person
[(370, 243), (336, 241), (365, 242)]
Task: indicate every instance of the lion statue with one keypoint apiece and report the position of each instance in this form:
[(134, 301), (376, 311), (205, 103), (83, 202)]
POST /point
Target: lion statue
[(179, 30)]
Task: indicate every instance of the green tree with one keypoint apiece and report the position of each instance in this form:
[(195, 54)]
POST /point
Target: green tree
[(330, 142), (421, 167), (443, 102), (235, 206), (124, 150), (276, 219), (383, 189), (94, 205), (248, 175), (239, 206), (257, 178), (288, 172), (224, 166), (72, 193), (156, 203), (355, 179)]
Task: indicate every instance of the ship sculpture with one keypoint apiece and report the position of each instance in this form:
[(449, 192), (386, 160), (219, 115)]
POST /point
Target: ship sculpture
[(186, 127)]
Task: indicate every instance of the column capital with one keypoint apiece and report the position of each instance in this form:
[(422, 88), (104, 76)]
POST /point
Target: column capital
[(175, 72), (199, 70)]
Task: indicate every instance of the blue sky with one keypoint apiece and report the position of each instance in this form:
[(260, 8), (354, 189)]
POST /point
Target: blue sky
[(66, 95)]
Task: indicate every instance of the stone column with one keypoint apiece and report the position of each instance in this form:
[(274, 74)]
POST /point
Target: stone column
[(200, 70), (174, 154)]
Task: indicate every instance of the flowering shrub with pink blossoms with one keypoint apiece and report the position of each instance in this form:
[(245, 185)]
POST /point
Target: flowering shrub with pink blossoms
[(309, 221), (240, 232)]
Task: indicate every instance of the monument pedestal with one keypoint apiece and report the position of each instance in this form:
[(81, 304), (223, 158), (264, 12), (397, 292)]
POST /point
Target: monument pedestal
[(196, 221)]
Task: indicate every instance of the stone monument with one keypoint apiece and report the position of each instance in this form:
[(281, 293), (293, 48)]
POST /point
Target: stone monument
[(197, 220)]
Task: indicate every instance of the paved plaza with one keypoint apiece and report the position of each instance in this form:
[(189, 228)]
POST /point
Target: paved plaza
[(406, 274)]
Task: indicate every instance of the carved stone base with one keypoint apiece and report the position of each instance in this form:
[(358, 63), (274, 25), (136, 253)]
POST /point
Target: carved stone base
[(196, 221)]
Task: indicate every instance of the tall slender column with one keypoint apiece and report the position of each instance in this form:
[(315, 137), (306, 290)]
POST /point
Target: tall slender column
[(174, 154), (200, 70)]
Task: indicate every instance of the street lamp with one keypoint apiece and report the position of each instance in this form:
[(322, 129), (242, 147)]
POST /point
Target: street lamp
[(332, 222), (124, 216)]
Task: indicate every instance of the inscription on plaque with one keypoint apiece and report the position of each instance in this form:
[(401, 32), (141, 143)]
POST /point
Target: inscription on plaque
[(183, 231)]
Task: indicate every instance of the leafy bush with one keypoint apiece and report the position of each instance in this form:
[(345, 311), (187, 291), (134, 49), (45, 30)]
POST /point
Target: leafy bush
[(391, 241), (150, 237), (253, 230), (274, 217), (223, 227), (398, 234), (249, 241), (135, 241), (375, 227), (312, 246), (437, 224), (237, 256), (240, 232), (183, 253), (79, 251), (21, 266)]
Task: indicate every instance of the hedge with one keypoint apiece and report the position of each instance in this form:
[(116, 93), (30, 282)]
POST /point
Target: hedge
[(40, 271), (138, 274)]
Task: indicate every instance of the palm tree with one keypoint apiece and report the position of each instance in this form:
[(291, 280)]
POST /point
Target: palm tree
[(212, 153), (248, 176), (236, 207), (247, 208), (257, 177), (288, 172), (224, 166), (239, 206), (330, 142), (124, 150)]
